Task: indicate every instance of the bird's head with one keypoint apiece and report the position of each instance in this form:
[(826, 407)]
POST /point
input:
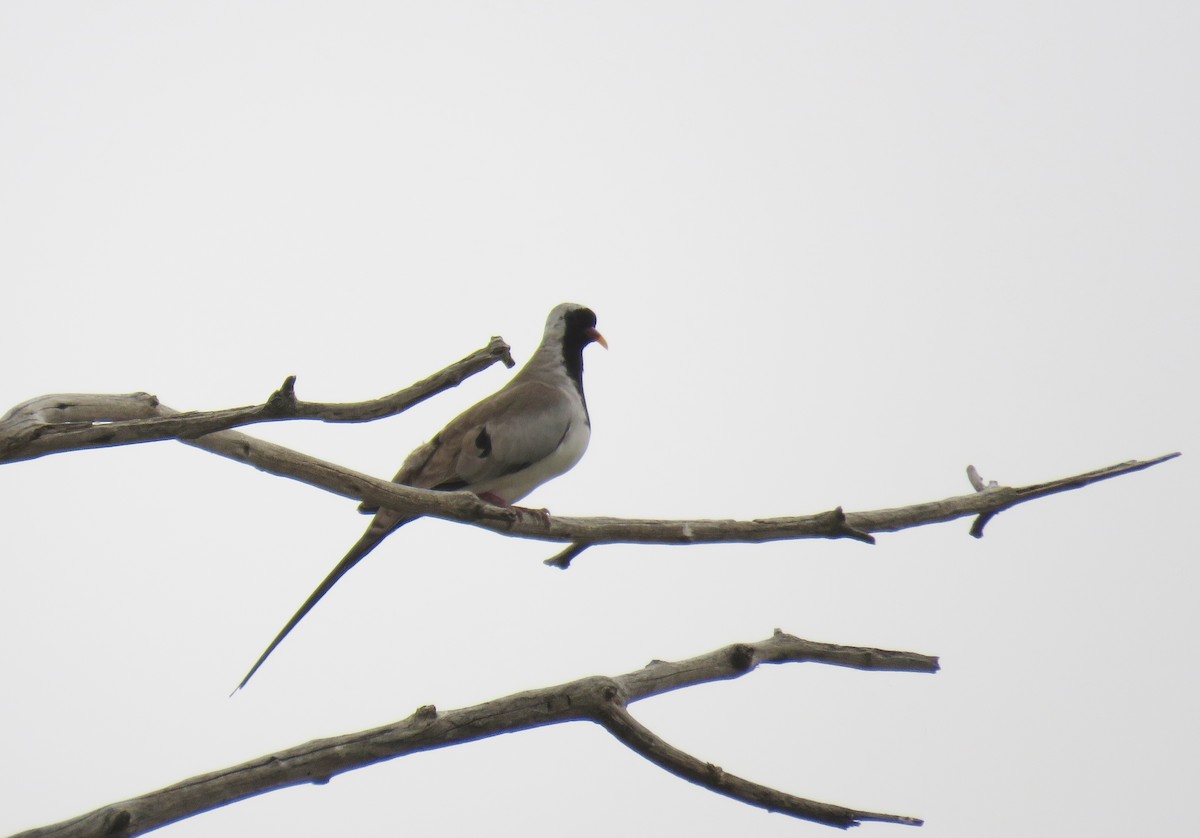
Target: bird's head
[(574, 326)]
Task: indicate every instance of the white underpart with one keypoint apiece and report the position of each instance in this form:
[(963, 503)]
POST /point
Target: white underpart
[(513, 487)]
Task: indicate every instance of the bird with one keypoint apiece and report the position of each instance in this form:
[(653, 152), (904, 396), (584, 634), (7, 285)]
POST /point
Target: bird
[(530, 431)]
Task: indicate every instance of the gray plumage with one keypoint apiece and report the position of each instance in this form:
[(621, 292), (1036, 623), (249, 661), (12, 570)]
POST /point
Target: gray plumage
[(532, 430)]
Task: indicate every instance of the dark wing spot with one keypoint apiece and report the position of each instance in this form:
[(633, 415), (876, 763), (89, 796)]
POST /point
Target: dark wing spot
[(484, 443)]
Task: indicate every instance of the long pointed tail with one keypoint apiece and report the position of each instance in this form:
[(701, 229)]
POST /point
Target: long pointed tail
[(383, 525)]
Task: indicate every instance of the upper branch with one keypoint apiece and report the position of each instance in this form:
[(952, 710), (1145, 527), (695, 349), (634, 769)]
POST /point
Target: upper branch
[(599, 699), (73, 421), (66, 422)]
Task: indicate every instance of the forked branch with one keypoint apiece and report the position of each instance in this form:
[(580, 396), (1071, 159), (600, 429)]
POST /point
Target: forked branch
[(599, 699)]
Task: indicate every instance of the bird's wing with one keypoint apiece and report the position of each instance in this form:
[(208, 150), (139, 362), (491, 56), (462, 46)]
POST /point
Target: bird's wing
[(506, 433)]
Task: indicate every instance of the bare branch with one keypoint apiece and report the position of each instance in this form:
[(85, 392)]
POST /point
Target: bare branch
[(598, 699), (1041, 490), (29, 430), (73, 421), (986, 503), (991, 500), (617, 721)]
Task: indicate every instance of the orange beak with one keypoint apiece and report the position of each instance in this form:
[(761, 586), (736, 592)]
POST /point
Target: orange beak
[(597, 337)]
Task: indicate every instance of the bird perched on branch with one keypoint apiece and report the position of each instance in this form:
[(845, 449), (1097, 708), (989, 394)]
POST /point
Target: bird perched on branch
[(530, 431)]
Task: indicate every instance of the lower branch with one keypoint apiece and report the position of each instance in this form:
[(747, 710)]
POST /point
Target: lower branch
[(598, 699)]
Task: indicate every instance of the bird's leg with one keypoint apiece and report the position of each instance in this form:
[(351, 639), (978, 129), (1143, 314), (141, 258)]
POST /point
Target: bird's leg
[(543, 515)]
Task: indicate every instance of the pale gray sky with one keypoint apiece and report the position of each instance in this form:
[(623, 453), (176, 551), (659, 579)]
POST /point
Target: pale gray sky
[(839, 250)]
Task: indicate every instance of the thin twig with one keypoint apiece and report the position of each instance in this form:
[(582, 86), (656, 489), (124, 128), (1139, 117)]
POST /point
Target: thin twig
[(628, 730)]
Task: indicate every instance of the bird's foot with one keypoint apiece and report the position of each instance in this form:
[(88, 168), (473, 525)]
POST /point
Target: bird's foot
[(542, 515)]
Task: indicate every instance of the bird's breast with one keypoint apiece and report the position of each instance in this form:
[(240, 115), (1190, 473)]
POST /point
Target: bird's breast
[(513, 487)]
